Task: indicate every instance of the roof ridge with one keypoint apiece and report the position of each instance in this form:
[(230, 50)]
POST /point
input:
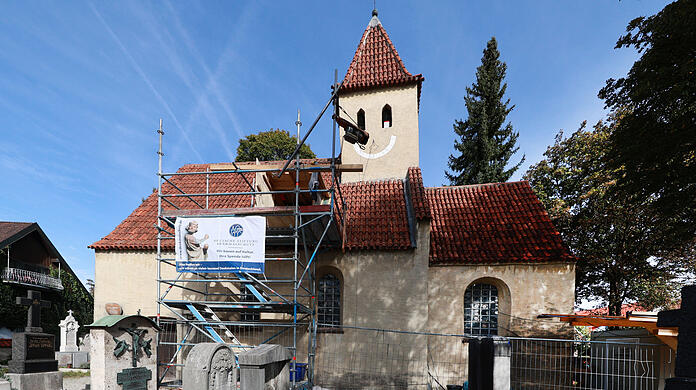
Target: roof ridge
[(477, 185)]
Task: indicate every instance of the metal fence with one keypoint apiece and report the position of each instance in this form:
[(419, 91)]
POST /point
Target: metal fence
[(570, 364), (370, 358)]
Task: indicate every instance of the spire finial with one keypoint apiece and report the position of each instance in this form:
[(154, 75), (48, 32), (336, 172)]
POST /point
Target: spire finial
[(374, 12)]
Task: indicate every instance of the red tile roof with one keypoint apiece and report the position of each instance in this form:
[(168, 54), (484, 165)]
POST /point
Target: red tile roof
[(603, 311), (491, 223), (376, 62), (421, 205), (376, 215), (137, 232)]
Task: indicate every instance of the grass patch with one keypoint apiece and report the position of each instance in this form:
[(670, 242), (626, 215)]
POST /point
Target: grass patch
[(75, 374)]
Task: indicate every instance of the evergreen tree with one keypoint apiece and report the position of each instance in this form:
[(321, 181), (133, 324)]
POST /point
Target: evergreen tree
[(486, 142)]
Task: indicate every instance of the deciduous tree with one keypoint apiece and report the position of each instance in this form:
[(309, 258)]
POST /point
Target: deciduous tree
[(270, 146), (655, 143), (621, 255)]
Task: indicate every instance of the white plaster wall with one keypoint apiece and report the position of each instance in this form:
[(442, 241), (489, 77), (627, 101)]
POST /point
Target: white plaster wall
[(381, 289), (404, 154), (129, 278)]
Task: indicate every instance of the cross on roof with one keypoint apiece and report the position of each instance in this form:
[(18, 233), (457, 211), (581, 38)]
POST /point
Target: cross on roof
[(33, 300)]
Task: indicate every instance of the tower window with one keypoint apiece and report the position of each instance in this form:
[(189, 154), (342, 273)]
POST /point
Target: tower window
[(386, 116), (361, 119)]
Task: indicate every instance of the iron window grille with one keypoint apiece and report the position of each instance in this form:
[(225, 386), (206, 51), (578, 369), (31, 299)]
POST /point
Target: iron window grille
[(329, 300), (481, 310)]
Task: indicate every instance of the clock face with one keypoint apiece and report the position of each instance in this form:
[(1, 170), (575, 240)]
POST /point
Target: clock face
[(375, 149)]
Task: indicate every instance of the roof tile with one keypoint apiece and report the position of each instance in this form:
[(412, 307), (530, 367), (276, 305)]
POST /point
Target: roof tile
[(491, 223), (376, 62)]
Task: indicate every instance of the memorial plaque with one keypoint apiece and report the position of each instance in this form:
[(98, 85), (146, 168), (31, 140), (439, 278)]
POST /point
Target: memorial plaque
[(39, 346), (134, 378)]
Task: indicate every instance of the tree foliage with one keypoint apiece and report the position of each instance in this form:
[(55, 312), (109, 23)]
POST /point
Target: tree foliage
[(270, 145), (656, 140), (486, 143), (621, 256), (73, 297)]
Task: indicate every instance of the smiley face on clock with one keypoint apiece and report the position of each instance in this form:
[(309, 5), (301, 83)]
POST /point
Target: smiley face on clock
[(376, 148)]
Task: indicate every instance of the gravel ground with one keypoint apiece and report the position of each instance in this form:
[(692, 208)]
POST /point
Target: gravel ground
[(74, 383)]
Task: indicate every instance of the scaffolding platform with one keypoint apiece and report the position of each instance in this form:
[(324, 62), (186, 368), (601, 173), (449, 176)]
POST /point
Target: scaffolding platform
[(280, 221), (237, 307), (304, 209)]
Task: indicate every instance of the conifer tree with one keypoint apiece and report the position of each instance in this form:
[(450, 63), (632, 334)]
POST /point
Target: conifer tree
[(486, 142)]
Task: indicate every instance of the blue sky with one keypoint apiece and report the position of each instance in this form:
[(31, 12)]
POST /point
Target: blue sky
[(83, 85)]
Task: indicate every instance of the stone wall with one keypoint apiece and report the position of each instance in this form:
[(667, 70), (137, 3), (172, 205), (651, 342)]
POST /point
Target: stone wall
[(380, 289)]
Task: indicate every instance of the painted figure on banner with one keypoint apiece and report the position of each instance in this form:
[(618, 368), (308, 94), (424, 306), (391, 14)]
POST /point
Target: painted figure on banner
[(195, 248)]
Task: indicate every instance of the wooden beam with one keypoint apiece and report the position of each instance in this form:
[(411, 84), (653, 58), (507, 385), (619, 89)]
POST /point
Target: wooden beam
[(278, 166), (321, 208), (669, 341)]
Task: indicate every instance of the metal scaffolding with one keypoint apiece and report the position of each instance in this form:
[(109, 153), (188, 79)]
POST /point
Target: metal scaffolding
[(242, 309)]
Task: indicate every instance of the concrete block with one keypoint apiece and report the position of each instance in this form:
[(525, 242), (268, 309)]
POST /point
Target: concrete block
[(79, 359), (265, 354), (4, 385), (265, 367), (39, 380), (65, 359)]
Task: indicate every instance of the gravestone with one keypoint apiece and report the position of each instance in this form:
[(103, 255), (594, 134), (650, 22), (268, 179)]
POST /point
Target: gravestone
[(122, 354), (210, 366), (69, 354), (266, 367), (685, 320), (68, 333), (489, 363), (33, 364)]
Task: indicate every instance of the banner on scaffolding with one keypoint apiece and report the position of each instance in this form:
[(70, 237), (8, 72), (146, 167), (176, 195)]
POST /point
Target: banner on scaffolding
[(220, 244)]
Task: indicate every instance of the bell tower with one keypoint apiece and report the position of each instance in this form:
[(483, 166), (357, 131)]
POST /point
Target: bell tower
[(379, 94)]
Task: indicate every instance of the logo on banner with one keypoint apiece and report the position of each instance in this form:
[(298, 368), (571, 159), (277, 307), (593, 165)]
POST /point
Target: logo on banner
[(236, 230)]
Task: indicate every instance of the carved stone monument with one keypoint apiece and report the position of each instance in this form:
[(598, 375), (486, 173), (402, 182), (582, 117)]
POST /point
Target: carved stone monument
[(210, 366), (122, 353), (33, 365), (685, 320), (69, 354), (266, 367)]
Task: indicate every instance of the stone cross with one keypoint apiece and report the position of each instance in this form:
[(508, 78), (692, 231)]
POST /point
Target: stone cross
[(685, 320), (68, 333), (33, 300)]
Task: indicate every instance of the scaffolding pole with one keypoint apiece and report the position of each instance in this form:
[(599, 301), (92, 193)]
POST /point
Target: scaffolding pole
[(234, 312)]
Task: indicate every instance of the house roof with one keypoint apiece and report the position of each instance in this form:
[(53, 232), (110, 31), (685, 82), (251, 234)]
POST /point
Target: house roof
[(376, 62), (493, 223), (11, 232)]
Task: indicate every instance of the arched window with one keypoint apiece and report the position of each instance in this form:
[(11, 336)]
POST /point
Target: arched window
[(386, 116), (361, 119), (481, 309), (329, 300)]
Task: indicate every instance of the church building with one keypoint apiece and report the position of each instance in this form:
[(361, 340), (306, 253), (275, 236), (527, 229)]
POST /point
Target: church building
[(477, 260)]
